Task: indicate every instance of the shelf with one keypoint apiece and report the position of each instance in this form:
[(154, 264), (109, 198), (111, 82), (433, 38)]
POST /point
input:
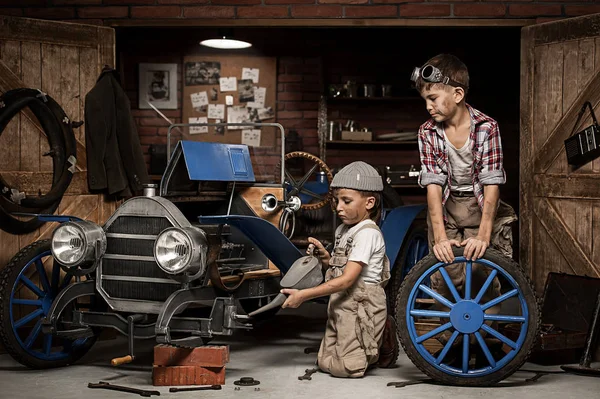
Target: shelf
[(356, 143)]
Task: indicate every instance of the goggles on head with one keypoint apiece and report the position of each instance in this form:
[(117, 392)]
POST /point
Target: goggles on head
[(431, 74)]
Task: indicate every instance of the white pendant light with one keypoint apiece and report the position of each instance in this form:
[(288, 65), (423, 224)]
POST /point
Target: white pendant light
[(225, 43)]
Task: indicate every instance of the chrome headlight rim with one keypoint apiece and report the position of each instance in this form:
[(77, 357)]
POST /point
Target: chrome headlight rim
[(194, 260), (92, 247)]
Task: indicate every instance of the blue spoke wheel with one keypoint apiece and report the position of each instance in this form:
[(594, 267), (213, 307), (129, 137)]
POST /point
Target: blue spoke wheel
[(27, 290), (476, 327)]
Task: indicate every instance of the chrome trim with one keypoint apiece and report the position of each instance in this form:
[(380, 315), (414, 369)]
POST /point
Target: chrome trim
[(129, 257), (132, 236), (140, 279)]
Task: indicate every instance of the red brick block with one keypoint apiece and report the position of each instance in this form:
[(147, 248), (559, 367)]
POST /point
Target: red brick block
[(582, 10), (181, 1), (289, 1), (236, 2), (120, 2), (204, 356), (342, 1), (187, 375), (103, 12), (14, 12), (479, 10), (531, 10), (262, 12), (289, 96), (372, 11), (50, 13), (395, 1), (75, 2), (156, 12), (209, 12), (316, 11), (424, 10)]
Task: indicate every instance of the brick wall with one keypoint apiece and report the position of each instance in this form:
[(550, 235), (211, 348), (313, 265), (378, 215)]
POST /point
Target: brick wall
[(96, 11)]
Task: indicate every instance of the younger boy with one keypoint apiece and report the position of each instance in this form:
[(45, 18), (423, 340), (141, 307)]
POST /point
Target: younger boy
[(357, 272)]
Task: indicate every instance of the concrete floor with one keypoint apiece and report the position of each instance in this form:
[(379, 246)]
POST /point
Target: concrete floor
[(274, 355)]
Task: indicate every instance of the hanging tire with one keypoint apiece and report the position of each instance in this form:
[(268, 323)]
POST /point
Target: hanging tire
[(496, 355), (413, 249), (31, 347)]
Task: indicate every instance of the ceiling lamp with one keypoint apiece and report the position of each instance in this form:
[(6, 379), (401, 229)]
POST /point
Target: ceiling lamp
[(225, 43)]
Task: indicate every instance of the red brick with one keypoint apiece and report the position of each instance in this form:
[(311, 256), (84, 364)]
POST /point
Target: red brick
[(147, 140), (263, 12), (395, 1), (187, 375), (203, 356), (186, 2), (14, 12), (152, 113), (95, 21), (291, 61), (534, 10), (103, 12), (208, 12), (582, 10), (289, 1), (479, 10), (50, 13), (310, 114), (280, 106), (289, 115), (75, 2), (236, 2), (132, 2), (147, 131), (316, 11), (289, 78), (29, 3), (289, 97), (424, 10), (301, 123), (543, 20), (293, 106), (311, 96), (310, 87), (342, 1), (156, 12), (372, 11), (280, 87), (152, 122)]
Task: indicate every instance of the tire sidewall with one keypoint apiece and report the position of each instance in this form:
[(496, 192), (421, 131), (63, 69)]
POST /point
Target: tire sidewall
[(522, 280)]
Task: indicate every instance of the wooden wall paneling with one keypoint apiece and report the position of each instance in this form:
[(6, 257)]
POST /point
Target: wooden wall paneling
[(554, 98), (30, 136), (88, 73), (595, 231), (596, 162), (577, 215), (69, 85), (585, 71), (541, 87), (51, 85)]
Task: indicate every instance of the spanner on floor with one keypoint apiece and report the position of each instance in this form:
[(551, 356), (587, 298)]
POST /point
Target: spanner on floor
[(206, 388), (106, 385), (308, 374)]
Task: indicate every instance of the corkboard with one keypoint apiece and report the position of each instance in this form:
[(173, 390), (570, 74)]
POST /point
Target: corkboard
[(230, 66)]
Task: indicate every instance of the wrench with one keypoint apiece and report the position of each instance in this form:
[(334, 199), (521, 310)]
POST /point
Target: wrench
[(208, 388), (106, 385), (308, 374)]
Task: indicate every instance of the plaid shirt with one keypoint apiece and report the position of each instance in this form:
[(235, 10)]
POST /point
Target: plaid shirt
[(486, 147)]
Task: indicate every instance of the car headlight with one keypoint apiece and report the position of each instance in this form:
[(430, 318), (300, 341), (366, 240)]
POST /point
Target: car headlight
[(181, 250), (78, 243)]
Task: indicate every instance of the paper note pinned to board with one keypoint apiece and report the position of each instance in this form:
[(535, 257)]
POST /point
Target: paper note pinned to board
[(250, 73), (259, 98), (228, 84), (251, 137), (199, 99), (198, 129), (216, 111)]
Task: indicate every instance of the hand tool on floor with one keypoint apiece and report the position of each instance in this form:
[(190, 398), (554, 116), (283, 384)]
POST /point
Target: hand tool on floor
[(584, 365), (309, 373), (187, 389), (106, 385)]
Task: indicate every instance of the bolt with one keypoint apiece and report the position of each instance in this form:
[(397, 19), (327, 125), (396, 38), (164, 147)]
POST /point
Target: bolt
[(257, 389), (236, 388)]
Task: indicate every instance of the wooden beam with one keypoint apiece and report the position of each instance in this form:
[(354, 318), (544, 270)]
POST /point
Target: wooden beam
[(564, 239), (33, 182), (50, 32), (333, 22), (580, 186), (10, 81), (568, 29), (554, 146), (526, 151)]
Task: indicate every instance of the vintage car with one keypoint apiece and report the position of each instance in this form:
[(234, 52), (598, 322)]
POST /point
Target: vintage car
[(208, 253)]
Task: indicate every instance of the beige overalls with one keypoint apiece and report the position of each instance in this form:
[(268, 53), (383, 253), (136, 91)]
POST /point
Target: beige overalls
[(356, 317)]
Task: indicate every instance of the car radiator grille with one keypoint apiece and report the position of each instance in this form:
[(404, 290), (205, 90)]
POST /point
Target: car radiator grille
[(129, 270)]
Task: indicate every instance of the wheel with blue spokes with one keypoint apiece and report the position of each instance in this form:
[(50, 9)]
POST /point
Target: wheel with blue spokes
[(476, 331), (28, 285)]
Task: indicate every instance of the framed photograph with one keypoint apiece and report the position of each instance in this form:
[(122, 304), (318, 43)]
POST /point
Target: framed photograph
[(158, 85), (202, 73)]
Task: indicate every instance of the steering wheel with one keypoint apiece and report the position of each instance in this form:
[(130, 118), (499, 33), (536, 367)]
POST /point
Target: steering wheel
[(297, 186)]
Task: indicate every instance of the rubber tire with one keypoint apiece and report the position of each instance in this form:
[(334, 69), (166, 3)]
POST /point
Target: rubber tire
[(7, 337), (533, 305), (418, 227)]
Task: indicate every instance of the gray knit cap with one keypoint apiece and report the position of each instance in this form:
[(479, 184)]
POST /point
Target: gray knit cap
[(358, 176)]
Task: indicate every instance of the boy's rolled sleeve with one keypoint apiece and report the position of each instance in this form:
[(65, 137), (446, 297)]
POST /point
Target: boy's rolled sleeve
[(430, 173), (492, 169)]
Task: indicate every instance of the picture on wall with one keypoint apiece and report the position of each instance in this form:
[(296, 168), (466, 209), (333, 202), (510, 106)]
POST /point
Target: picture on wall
[(157, 85), (202, 73)]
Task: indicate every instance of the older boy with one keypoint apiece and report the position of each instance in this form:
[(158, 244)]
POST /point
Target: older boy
[(461, 166)]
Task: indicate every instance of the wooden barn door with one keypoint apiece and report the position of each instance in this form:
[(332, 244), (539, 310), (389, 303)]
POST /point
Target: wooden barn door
[(560, 206), (63, 60)]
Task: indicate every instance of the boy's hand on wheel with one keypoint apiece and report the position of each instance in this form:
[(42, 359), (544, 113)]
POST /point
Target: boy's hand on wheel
[(443, 250), (475, 247)]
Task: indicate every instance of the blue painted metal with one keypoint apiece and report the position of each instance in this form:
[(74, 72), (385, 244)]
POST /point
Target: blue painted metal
[(49, 217), (277, 247), (40, 306), (217, 161), (466, 317), (395, 227)]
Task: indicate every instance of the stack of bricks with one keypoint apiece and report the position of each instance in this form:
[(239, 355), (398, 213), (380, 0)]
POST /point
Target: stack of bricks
[(204, 365)]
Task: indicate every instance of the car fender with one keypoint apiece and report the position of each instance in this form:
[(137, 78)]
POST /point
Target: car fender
[(395, 227)]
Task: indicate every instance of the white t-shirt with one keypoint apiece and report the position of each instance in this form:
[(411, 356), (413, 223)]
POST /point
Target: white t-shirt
[(368, 248), (461, 162)]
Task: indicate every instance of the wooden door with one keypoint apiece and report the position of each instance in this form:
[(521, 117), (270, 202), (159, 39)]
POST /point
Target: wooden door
[(559, 206)]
